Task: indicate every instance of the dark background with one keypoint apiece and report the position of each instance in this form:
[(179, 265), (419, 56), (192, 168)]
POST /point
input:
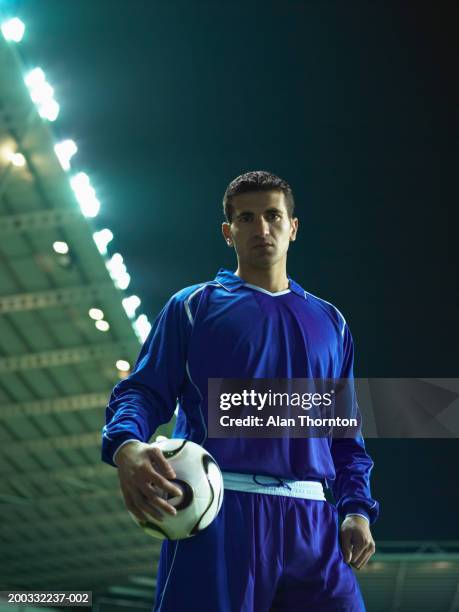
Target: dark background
[(353, 103)]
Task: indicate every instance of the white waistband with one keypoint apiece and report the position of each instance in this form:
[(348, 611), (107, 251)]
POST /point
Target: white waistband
[(272, 485)]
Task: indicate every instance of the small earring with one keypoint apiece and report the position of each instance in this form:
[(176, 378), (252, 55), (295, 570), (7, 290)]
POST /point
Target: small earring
[(229, 242)]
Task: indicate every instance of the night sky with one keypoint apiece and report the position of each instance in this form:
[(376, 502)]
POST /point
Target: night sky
[(353, 103)]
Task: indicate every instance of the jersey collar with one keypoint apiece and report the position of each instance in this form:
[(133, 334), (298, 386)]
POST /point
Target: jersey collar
[(231, 282)]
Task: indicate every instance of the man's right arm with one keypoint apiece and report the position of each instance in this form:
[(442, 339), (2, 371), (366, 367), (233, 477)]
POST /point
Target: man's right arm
[(147, 398)]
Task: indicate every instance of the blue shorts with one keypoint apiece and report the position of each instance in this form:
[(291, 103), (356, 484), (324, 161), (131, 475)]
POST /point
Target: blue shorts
[(263, 553)]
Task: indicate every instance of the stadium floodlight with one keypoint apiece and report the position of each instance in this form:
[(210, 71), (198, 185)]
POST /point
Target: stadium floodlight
[(42, 94), (17, 159), (49, 110), (142, 327), (65, 150), (123, 365), (61, 247), (117, 261), (102, 238), (13, 29), (115, 265), (130, 305), (90, 208), (123, 281), (102, 325), (35, 78), (118, 271), (85, 194), (80, 182), (96, 313)]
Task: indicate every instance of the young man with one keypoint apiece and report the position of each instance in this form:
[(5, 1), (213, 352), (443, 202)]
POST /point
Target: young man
[(275, 544)]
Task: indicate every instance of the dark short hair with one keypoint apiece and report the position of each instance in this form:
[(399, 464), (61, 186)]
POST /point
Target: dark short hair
[(257, 180)]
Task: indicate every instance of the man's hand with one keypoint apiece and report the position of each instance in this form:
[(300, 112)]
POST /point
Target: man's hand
[(356, 540), (144, 476)]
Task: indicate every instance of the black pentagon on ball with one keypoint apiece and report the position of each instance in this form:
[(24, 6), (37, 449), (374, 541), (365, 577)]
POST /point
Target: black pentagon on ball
[(168, 454), (187, 494)]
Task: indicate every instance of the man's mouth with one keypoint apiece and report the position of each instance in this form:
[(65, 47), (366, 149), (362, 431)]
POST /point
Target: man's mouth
[(264, 245)]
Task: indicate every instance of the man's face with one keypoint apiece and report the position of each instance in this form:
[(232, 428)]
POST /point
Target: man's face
[(260, 229)]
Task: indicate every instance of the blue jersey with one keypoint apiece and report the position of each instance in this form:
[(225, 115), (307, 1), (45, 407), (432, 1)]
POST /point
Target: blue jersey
[(227, 328)]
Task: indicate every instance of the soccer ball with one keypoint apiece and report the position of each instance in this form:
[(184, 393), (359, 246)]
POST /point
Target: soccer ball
[(201, 481)]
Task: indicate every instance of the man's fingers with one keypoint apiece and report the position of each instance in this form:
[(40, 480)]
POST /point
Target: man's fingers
[(147, 507), (140, 506), (161, 462), (158, 502), (358, 551), (164, 484), (365, 561), (356, 541), (152, 513), (146, 484), (132, 507), (362, 558), (362, 561), (346, 545), (147, 474), (359, 555)]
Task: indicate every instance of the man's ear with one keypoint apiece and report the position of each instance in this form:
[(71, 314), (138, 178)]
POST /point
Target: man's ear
[(226, 231), (293, 229)]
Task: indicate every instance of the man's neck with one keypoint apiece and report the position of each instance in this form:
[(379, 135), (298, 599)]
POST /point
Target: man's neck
[(272, 279)]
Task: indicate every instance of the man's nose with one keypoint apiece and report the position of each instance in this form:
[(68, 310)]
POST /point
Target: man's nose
[(261, 227)]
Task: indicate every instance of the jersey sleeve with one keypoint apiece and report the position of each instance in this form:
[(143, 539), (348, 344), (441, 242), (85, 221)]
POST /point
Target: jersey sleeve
[(147, 398), (353, 465)]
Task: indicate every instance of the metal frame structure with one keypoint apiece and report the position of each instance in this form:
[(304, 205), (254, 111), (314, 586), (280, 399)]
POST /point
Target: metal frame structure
[(63, 519)]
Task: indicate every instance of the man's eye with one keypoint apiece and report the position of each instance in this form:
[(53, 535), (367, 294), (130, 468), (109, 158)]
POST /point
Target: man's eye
[(245, 218), (273, 216)]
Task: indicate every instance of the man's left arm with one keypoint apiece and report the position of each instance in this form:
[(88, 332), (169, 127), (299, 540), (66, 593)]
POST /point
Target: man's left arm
[(351, 488)]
